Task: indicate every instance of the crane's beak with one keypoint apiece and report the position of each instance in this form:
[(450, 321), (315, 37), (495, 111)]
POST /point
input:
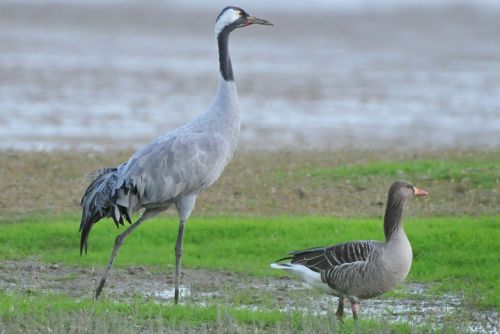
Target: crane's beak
[(420, 192), (255, 20)]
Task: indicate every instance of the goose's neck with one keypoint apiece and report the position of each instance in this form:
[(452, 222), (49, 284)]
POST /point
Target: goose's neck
[(393, 217), (225, 66)]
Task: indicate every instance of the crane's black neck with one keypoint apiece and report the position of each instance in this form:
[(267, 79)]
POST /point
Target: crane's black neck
[(225, 66), (393, 216)]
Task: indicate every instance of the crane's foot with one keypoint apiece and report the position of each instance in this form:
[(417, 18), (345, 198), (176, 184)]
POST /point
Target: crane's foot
[(176, 296), (99, 289)]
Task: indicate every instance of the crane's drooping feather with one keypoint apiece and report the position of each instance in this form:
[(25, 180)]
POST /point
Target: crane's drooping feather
[(100, 201)]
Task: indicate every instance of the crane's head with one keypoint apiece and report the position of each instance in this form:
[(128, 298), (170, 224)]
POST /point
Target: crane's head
[(231, 18)]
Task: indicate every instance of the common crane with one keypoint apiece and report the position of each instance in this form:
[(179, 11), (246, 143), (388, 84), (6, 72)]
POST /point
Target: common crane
[(176, 166)]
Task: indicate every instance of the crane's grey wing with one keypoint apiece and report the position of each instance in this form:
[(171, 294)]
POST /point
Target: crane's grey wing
[(171, 167), (325, 258)]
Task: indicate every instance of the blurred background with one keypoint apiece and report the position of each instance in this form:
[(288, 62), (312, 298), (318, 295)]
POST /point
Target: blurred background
[(330, 74)]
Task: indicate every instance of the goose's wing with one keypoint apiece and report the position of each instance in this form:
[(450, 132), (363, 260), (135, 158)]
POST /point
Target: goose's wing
[(325, 258)]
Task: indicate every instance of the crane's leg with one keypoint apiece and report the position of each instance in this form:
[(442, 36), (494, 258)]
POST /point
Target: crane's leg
[(178, 255), (185, 206), (340, 309), (118, 242)]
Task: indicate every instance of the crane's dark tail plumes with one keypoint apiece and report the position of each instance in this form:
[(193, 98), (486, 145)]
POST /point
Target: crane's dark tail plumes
[(99, 201)]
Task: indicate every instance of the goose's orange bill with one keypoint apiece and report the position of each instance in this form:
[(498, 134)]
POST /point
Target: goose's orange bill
[(420, 192)]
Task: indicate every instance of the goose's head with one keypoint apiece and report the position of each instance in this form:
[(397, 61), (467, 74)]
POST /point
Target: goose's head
[(231, 18), (402, 190)]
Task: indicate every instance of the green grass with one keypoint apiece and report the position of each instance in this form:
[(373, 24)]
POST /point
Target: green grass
[(43, 310), (483, 174), (43, 313), (459, 253)]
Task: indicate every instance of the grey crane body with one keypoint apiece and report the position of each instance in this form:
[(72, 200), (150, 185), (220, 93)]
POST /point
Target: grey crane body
[(186, 160), (360, 269), (176, 166)]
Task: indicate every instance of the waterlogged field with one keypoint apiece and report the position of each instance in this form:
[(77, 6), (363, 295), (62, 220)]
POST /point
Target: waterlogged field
[(264, 205)]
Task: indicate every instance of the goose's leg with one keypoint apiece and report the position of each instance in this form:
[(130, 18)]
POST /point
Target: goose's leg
[(355, 309), (118, 242), (185, 206), (340, 309)]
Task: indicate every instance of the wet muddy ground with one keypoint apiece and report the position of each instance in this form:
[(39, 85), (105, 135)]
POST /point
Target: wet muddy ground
[(414, 303)]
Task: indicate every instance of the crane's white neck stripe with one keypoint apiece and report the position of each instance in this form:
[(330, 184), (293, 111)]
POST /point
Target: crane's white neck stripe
[(229, 16)]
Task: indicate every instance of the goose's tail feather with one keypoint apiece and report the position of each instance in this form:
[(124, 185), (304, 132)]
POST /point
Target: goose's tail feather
[(284, 266), (307, 275), (99, 201)]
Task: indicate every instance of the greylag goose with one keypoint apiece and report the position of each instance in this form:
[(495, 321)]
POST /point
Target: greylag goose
[(360, 269)]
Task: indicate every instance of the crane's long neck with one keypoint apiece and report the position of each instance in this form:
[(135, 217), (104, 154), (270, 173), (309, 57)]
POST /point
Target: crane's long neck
[(392, 217), (224, 115), (226, 99), (226, 69)]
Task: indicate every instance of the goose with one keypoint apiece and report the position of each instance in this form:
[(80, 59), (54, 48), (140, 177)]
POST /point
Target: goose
[(359, 269), (175, 167)]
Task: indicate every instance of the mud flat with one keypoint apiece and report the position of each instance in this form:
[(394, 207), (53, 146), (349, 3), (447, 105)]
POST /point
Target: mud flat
[(413, 303)]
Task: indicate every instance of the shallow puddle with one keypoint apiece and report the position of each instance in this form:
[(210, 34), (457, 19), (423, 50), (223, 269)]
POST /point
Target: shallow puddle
[(419, 306), (203, 287)]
